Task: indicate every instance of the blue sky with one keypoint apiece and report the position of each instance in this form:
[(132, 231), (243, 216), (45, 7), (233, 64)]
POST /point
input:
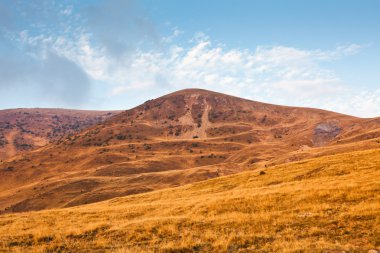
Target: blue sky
[(117, 54)]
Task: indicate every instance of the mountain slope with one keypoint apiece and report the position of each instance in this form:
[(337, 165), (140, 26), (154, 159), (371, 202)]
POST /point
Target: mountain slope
[(183, 137), (326, 204), (23, 130)]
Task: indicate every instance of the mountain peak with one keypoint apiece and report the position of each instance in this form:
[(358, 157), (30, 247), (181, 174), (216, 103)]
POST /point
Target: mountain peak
[(185, 136), (194, 91)]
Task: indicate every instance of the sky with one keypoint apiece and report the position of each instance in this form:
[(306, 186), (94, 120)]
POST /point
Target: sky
[(116, 54)]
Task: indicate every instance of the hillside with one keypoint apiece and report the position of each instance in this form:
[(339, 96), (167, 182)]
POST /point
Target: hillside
[(23, 130), (326, 204), (183, 137)]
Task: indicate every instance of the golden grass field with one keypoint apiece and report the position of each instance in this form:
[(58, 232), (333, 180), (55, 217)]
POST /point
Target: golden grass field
[(325, 204)]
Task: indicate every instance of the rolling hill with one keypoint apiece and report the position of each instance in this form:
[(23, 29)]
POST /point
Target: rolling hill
[(325, 204), (183, 137), (22, 130)]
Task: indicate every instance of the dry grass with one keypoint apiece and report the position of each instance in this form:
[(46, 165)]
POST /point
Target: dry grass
[(23, 130), (327, 203), (183, 137)]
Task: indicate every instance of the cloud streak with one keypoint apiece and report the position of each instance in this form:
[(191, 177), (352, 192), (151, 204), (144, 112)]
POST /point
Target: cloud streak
[(30, 69), (119, 26), (46, 52), (112, 44)]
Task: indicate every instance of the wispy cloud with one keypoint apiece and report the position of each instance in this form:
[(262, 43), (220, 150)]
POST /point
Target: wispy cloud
[(29, 68), (129, 56)]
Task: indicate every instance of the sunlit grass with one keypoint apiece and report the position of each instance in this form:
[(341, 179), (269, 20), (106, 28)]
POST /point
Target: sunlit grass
[(327, 203)]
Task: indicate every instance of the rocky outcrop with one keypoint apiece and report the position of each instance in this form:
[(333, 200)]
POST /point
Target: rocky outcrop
[(325, 132)]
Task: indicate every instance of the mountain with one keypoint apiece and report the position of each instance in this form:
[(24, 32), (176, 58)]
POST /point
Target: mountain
[(23, 130), (324, 204), (183, 137)]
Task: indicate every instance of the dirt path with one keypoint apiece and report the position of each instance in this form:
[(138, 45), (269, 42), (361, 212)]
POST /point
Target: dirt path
[(205, 121), (11, 148)]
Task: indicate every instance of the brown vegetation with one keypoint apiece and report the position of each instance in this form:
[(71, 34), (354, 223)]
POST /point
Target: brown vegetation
[(325, 204), (27, 129), (180, 138)]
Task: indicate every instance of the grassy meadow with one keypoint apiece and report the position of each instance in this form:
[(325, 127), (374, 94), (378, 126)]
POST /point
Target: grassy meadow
[(326, 204)]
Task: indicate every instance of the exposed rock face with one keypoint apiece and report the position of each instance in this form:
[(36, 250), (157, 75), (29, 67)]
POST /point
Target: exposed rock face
[(325, 132), (183, 137)]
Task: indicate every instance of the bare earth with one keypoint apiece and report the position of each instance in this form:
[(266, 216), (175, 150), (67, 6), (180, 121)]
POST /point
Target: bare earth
[(180, 138)]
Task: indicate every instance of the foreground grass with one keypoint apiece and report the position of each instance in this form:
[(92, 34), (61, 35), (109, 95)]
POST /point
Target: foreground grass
[(328, 203)]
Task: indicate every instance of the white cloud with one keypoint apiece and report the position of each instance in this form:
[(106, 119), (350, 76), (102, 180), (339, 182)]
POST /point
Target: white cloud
[(175, 33), (306, 88), (67, 10), (117, 48), (275, 74), (363, 104)]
